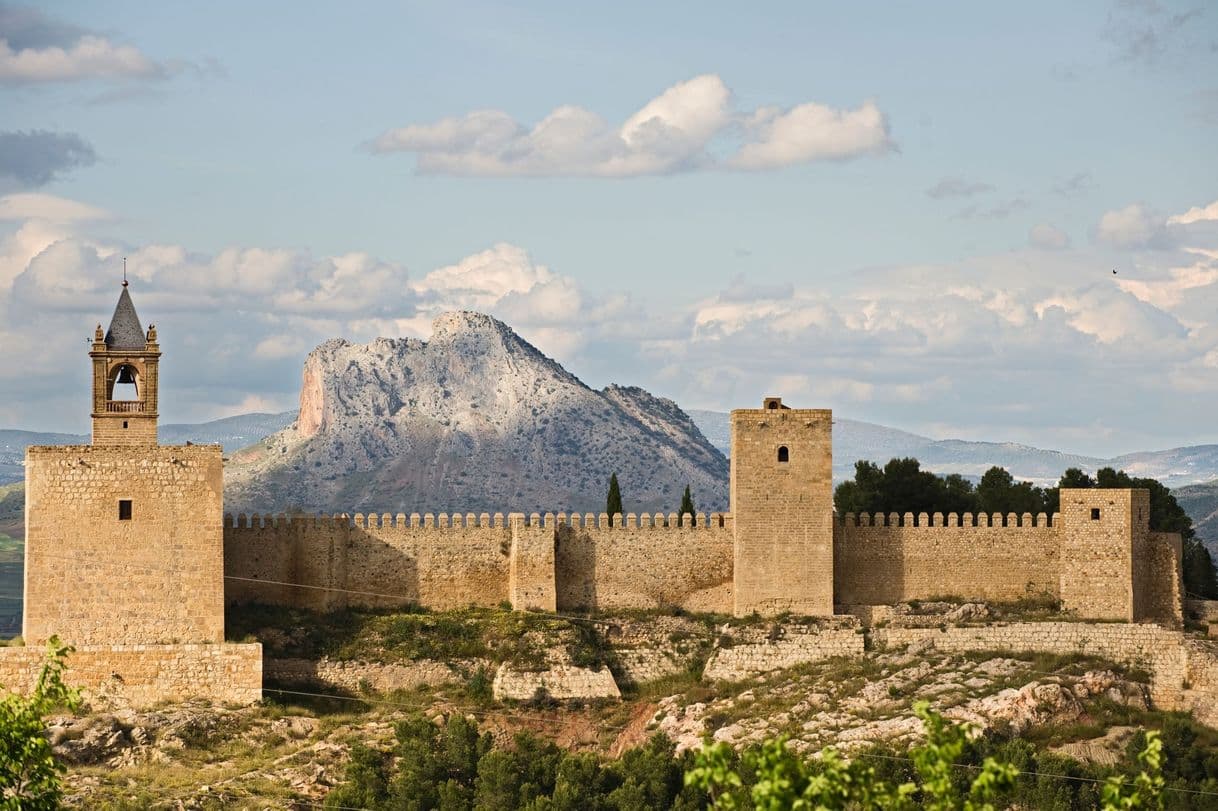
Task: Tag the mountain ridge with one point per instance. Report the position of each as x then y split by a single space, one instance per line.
475 419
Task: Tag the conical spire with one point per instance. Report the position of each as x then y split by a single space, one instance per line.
125 331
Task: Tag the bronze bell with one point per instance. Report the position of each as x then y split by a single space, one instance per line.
126 375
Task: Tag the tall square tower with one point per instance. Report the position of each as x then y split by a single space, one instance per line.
124 537
782 508
1102 530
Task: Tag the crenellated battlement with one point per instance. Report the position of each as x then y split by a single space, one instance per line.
938 519
600 521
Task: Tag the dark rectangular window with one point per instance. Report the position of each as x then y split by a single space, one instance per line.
124 509
124 423
1095 513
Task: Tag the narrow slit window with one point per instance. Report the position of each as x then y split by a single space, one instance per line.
784 455
124 423
124 509
1095 513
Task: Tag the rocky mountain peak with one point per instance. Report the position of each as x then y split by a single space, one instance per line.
475 418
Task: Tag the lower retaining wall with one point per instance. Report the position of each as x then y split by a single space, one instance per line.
356 676
560 682
143 675
781 647
1159 650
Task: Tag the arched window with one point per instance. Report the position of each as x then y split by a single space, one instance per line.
773 406
125 383
784 455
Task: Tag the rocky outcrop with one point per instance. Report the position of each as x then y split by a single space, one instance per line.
475 419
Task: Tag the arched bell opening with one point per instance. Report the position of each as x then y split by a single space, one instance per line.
124 383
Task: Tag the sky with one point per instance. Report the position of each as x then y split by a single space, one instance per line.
907 212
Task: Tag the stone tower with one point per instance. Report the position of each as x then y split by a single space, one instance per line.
782 506
124 537
125 356
1104 535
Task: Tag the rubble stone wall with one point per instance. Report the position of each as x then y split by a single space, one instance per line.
144 675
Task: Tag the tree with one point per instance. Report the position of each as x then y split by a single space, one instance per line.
781 779
613 503
29 772
905 487
998 492
771 777
687 506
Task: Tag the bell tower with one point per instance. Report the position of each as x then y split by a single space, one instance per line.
125 361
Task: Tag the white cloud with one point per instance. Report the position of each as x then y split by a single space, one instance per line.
1049 237
1195 214
1134 226
682 129
89 57
48 207
1030 345
1170 292
812 132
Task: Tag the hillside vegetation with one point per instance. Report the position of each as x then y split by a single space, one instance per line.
1067 723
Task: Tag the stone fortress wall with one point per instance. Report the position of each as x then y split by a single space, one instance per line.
581 563
781 549
551 562
890 559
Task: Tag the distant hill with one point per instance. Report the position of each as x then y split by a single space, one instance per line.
854 440
231 432
1200 501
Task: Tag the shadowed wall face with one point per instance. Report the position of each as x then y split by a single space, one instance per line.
889 562
782 505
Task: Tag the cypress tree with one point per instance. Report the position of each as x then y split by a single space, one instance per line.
687 505
613 504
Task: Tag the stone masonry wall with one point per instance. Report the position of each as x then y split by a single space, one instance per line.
559 681
1145 645
877 561
91 578
1158 574
1099 529
782 504
144 675
531 566
640 563
547 562
763 650
438 562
